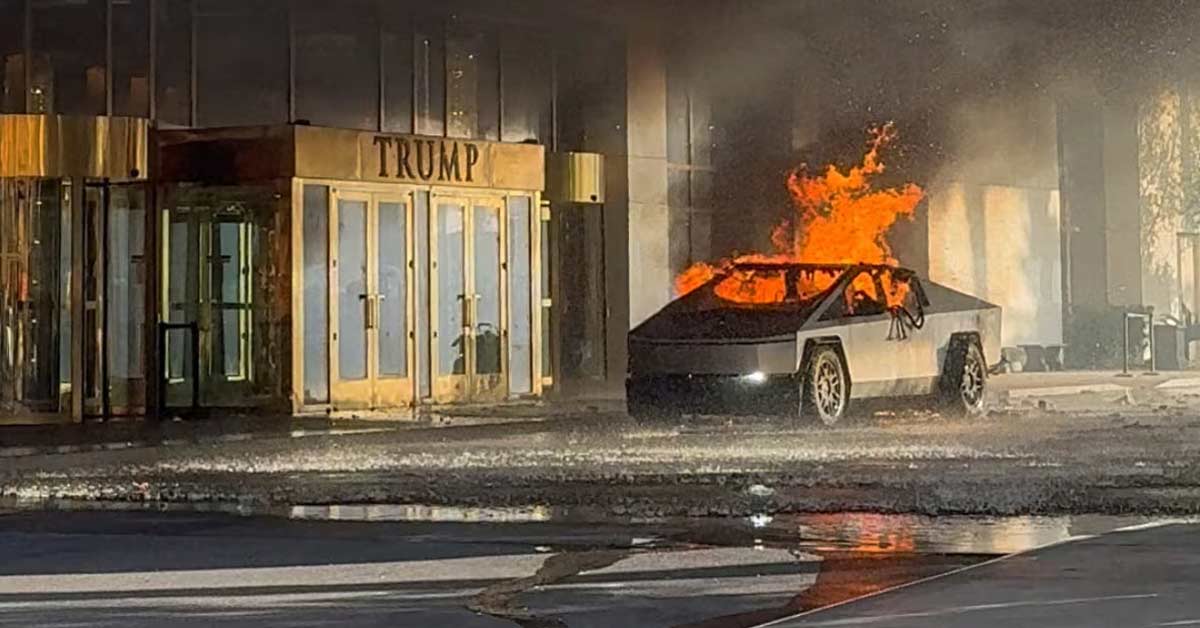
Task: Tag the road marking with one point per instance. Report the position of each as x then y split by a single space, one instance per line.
1181 622
1185 382
954 572
905 585
1150 525
502 567
958 610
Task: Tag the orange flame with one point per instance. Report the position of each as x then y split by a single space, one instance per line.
840 219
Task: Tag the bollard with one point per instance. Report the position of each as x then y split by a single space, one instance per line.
1148 317
1125 346
1153 356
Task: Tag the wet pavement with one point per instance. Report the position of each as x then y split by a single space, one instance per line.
1141 577
146 568
1016 461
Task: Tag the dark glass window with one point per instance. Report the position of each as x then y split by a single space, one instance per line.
337 63
12 44
131 58
242 62
582 300
678 118
591 96
700 217
527 89
69 75
429 64
703 136
472 84
397 69
174 62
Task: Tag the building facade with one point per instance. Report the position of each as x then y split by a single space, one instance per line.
302 206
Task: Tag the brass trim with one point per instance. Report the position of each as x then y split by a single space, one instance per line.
311 152
575 177
323 152
35 145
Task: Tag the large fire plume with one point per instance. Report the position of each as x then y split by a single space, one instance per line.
839 219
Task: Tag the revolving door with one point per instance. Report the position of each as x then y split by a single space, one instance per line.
72 298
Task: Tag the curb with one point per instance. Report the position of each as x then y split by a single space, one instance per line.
44 450
1062 391
432 420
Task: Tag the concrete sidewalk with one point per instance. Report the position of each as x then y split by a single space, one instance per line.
1097 390
66 438
1138 578
32 440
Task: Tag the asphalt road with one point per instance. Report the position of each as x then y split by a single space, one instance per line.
142 569
1133 579
133 570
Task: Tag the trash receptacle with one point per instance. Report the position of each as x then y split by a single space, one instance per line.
1170 347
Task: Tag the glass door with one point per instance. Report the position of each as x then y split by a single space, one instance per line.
125 299
223 288
35 316
470 299
114 299
209 260
448 252
370 269
488 301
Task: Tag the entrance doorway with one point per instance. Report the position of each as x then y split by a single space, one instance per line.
469 297
224 292
370 268
210 258
72 298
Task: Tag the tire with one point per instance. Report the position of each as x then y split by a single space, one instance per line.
964 381
825 387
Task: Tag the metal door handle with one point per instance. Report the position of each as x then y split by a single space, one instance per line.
368 310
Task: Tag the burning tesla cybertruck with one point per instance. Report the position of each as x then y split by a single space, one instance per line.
810 339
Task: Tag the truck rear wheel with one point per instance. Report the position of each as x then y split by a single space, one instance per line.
964 380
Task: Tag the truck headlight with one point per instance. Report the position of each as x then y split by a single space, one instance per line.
757 377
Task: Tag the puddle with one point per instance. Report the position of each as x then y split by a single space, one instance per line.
867 533
20 504
848 532
424 514
712 572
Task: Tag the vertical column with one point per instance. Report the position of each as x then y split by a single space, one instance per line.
1084 213
79 327
649 224
1122 215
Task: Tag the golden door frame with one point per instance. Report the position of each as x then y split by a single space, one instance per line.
498 198
469 385
376 389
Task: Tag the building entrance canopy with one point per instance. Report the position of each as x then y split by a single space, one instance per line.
361 270
271 152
